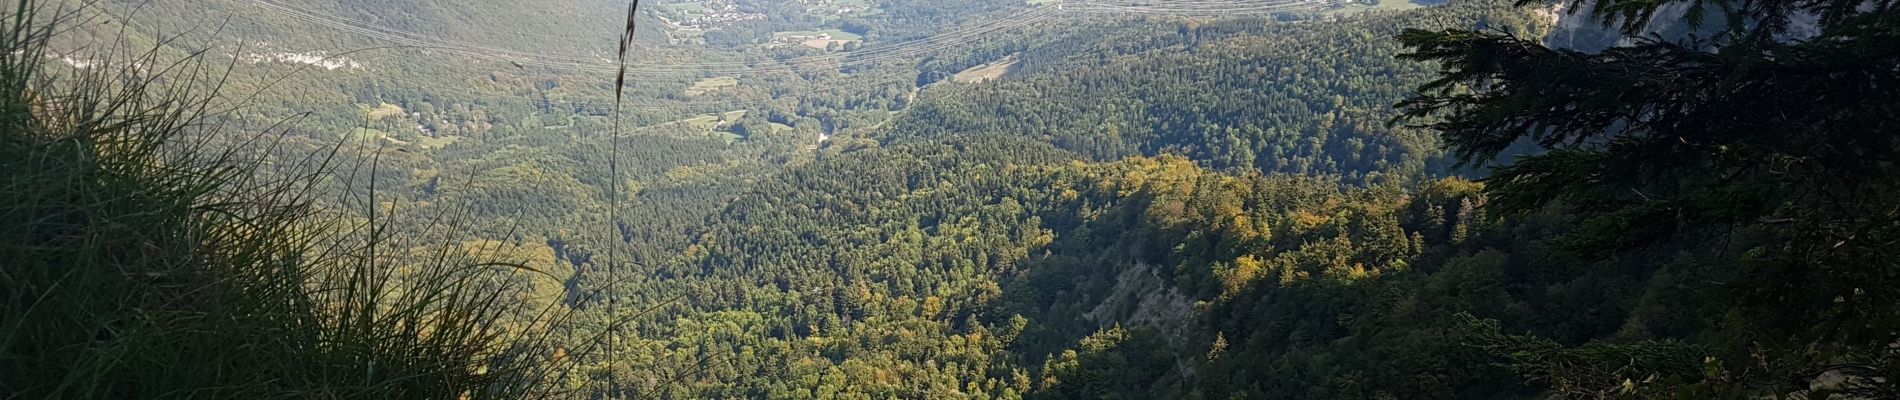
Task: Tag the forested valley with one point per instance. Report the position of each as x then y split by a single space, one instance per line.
963 199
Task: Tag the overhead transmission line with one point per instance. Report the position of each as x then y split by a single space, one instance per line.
1194 7
875 54
904 50
588 64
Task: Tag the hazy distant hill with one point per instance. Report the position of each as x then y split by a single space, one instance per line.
557 26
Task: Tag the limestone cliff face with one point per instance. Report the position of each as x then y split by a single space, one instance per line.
1141 298
1576 29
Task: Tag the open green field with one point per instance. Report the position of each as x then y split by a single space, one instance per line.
706 122
712 84
438 142
815 39
1384 5
381 112
836 34
987 72
732 116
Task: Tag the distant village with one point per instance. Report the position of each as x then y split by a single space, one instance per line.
702 15
713 14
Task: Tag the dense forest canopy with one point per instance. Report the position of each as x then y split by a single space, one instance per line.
851 199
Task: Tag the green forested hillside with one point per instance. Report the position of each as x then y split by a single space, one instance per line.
995 256
836 199
1312 97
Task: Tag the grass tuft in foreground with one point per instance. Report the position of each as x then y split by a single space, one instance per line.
142 257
